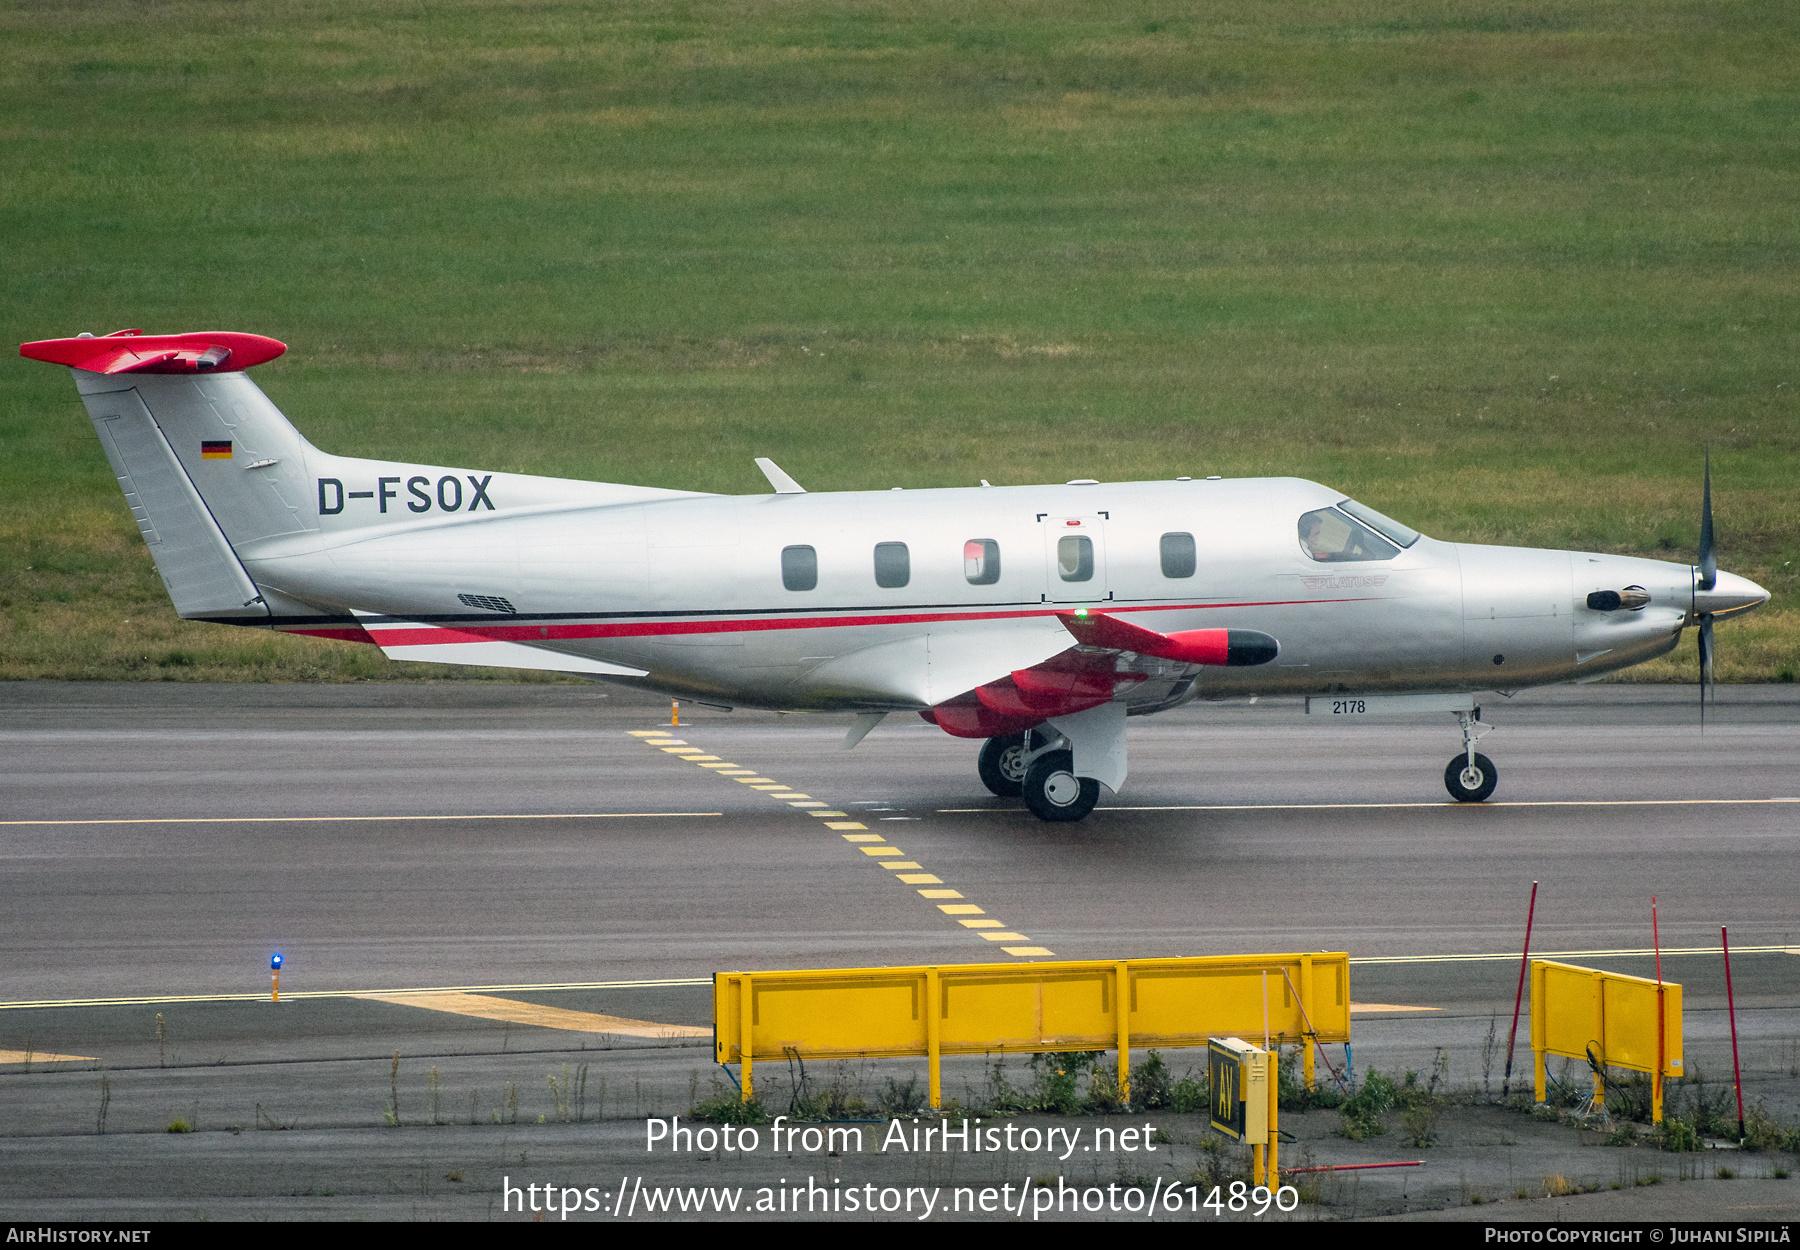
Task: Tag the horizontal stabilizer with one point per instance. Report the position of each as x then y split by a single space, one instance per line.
437 644
128 351
1234 648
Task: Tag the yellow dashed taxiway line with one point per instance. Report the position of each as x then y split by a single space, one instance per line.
513 1011
907 871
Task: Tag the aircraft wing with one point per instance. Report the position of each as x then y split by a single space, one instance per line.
438 644
1069 681
949 659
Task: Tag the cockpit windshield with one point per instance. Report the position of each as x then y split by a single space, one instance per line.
1327 535
1395 532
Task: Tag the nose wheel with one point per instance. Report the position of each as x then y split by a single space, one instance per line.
1470 776
1470 779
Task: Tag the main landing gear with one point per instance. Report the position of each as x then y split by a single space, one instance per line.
1038 766
1470 776
1002 765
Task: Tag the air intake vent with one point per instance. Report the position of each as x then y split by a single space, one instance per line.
489 603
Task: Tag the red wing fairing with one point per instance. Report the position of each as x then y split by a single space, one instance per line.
1077 680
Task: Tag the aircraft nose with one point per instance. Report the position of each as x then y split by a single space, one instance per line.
1731 595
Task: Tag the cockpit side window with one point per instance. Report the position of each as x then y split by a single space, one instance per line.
1329 536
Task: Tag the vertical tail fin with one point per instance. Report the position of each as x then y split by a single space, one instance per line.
206 462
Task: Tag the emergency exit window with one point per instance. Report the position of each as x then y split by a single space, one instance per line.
799 568
1178 555
1075 558
893 565
981 561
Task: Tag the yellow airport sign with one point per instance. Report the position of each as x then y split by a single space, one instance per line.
974 1009
1624 1022
1242 1081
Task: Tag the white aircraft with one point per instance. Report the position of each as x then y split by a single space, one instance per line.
1037 618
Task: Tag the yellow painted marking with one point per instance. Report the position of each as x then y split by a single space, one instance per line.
789 795
1359 1008
921 878
900 864
1028 950
845 824
941 893
720 764
881 850
695 759
672 744
981 924
861 837
959 909
811 803
38 1056
516 1012
318 820
685 752
738 772
1004 937
262 996
648 733
767 788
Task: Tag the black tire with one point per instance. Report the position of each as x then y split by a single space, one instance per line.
1002 765
1053 792
1454 780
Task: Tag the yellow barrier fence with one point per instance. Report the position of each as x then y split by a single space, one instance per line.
976 1009
1621 1021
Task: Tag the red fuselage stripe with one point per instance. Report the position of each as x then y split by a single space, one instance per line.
342 635
399 636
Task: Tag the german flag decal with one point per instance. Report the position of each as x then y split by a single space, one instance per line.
216 451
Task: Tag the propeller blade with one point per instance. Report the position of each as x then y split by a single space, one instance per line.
1706 665
1709 568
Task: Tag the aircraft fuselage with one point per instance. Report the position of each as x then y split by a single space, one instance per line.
692 589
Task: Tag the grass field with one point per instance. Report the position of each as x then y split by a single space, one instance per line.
1501 270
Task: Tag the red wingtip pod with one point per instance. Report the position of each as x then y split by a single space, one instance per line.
129 351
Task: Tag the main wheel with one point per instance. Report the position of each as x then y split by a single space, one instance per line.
1470 785
1002 765
1053 792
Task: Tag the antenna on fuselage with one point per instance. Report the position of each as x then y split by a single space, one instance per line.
783 484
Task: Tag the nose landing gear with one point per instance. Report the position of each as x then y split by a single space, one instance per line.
1470 776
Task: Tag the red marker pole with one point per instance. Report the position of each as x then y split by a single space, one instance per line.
1737 1081
1519 997
1662 1023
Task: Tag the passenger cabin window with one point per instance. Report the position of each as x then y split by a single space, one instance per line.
1329 536
893 566
1075 558
1178 555
799 568
981 561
